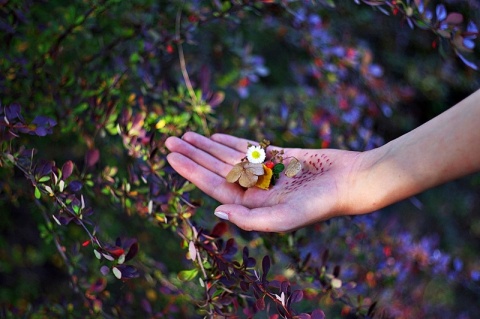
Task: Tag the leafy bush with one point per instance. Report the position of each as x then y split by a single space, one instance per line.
96 224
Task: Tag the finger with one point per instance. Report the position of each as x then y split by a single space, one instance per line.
206 180
176 145
276 218
239 144
223 152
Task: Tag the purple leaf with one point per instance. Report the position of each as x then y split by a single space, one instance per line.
454 18
230 248
216 99
75 186
468 63
325 257
43 125
87 211
132 252
104 270
44 121
472 31
284 287
65 220
128 271
44 168
92 157
245 254
265 265
420 6
146 306
441 12
318 314
205 78
245 286
336 271
67 169
12 112
251 262
296 296
469 44
41 131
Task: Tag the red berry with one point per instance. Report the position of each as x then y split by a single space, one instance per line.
269 164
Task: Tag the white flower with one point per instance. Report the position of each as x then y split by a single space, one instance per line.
256 154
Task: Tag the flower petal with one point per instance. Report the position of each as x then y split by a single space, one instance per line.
256 154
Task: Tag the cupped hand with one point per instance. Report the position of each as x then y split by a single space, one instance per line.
318 192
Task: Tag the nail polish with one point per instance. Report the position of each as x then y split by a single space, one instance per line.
221 215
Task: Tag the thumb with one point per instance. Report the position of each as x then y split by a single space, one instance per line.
267 219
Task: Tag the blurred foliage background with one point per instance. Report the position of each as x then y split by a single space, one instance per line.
102 83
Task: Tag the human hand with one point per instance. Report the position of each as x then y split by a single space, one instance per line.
319 192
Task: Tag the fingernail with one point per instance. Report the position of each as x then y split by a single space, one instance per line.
221 215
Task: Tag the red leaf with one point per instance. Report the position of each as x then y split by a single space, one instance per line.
116 251
260 303
219 229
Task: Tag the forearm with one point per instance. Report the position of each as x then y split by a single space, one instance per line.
443 149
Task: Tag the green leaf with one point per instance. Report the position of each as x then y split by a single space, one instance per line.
188 187
38 194
278 168
187 275
44 179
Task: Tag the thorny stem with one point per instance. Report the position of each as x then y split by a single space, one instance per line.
28 174
60 250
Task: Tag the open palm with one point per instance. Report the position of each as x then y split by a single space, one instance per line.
316 193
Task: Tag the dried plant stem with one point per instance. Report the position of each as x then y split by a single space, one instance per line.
183 67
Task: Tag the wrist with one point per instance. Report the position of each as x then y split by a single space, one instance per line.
370 185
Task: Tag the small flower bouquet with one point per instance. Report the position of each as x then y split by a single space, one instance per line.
255 170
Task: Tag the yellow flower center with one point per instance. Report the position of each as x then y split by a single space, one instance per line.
256 154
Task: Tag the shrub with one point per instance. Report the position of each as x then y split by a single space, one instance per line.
98 225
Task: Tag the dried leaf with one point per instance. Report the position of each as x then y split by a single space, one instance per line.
192 250
255 168
293 167
235 173
245 173
248 179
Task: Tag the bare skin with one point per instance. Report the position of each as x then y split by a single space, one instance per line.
334 182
